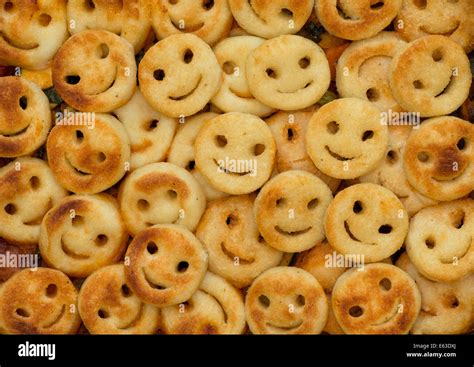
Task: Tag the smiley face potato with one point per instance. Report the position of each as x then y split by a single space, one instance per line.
86 159
41 301
289 210
288 73
166 265
374 228
179 75
229 165
108 306
25 123
346 138
286 300
381 299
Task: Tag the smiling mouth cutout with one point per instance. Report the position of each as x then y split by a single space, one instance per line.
77 170
240 95
160 287
352 236
184 96
232 256
135 320
455 259
183 27
446 34
281 328
451 179
56 319
72 253
392 316
337 156
292 233
38 219
223 169
19 132
296 90
18 46
446 88
108 86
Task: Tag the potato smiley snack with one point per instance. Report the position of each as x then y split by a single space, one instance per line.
236 167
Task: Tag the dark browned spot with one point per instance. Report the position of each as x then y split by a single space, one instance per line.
188 56
286 13
102 51
77 220
51 290
89 5
103 314
304 62
258 149
271 73
229 67
143 205
385 229
208 4
392 156
377 6
369 134
23 102
44 19
357 207
264 301
182 266
22 312
231 220
10 209
101 157
281 202
300 300
430 242
418 84
312 203
290 133
73 79
454 302
159 74
79 136
172 194
126 292
191 166
372 94
8 7
385 284
420 4
101 240
461 144
458 218
356 311
220 141
437 55
423 157
152 248
151 125
34 182
332 127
